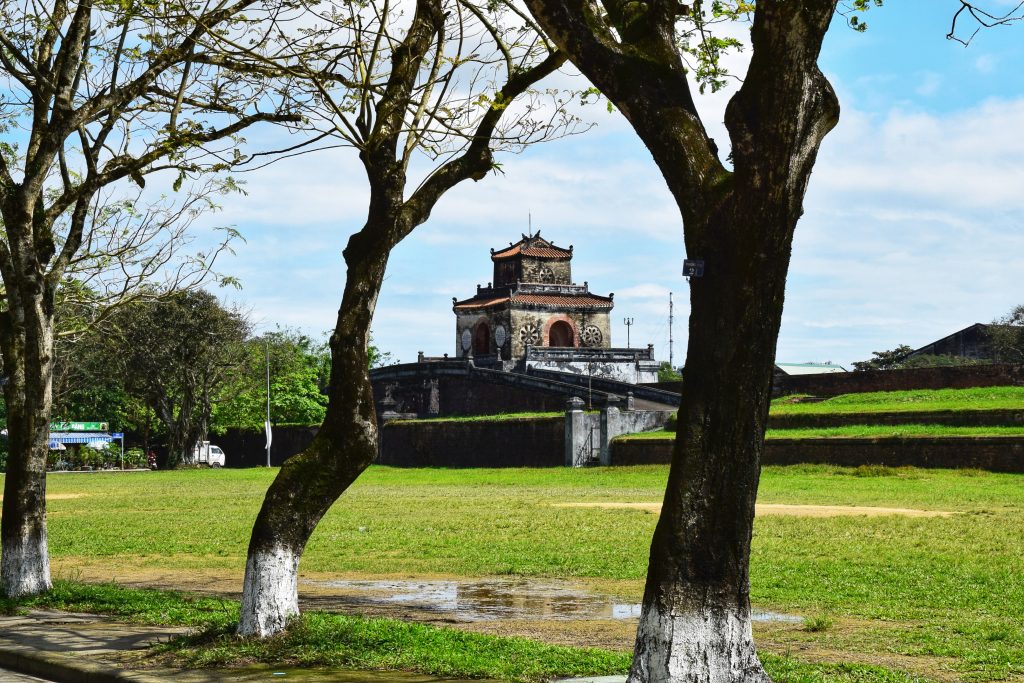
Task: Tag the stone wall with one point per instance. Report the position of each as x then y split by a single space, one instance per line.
468 321
444 396
631 372
560 270
541 319
834 384
534 442
248 447
995 454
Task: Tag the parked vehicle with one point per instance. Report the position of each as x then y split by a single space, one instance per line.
206 453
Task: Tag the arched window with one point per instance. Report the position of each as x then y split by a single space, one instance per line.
560 334
482 339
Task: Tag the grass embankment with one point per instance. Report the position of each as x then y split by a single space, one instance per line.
924 400
863 432
935 594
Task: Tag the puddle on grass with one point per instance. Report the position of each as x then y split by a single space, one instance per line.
500 600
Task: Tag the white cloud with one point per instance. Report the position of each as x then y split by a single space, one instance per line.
930 84
912 230
986 63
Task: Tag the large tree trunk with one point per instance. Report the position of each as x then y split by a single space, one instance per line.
695 624
182 433
26 338
310 482
695 620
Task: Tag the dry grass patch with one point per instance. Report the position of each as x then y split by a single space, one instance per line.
781 509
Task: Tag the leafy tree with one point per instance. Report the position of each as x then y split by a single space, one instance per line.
900 359
378 358
885 360
666 373
298 377
176 355
695 620
928 360
1006 336
94 94
447 82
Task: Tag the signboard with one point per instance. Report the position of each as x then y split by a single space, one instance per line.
117 435
79 426
693 268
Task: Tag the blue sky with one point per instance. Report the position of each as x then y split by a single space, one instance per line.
912 227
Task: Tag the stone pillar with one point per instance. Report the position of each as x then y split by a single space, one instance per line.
629 401
576 431
611 427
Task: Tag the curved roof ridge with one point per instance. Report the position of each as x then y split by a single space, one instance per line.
532 245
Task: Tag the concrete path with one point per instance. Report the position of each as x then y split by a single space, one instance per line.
8 676
83 648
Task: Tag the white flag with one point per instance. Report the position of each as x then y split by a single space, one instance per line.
270 435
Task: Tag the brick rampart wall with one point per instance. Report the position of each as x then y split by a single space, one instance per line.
248 447
996 454
535 442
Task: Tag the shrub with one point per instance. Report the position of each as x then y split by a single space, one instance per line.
134 458
818 623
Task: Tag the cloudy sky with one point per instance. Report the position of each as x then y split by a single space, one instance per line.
912 230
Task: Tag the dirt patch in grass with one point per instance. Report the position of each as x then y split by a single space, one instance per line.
782 638
783 510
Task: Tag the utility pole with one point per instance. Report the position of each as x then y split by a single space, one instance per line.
671 358
628 322
268 402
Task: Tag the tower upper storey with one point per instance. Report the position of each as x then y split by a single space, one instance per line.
532 259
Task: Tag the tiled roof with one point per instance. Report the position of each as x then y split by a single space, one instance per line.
567 300
533 246
480 302
563 300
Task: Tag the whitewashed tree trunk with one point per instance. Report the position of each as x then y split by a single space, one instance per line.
270 594
696 646
26 342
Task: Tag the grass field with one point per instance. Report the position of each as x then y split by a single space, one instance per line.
941 597
864 432
982 398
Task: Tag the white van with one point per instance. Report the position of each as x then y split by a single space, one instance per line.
205 453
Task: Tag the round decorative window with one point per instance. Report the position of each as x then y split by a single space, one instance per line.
467 340
591 336
500 336
529 334
545 274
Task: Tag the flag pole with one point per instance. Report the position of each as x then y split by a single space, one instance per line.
268 402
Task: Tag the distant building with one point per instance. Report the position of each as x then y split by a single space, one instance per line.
971 342
532 301
532 315
794 369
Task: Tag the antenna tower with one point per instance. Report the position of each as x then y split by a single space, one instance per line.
671 358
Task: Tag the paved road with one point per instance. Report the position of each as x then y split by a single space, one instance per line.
11 677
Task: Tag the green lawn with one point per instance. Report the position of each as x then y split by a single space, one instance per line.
939 589
983 398
863 432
